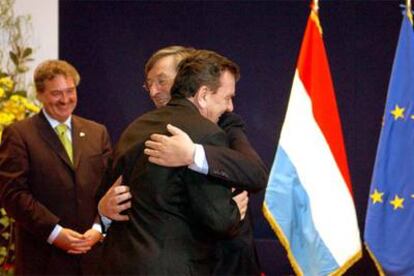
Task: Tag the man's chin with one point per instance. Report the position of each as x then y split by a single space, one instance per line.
157 105
64 113
61 117
160 103
214 120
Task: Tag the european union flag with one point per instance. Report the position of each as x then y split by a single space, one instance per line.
389 225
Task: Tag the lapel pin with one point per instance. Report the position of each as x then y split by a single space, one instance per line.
82 134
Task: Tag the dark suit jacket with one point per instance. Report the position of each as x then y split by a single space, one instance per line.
177 215
39 188
239 165
246 171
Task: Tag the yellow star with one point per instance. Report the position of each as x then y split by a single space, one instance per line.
398 112
397 202
412 117
376 196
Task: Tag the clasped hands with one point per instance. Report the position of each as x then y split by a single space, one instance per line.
76 243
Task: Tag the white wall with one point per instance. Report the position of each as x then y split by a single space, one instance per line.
45 22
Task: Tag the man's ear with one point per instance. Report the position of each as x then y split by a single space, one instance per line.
201 96
38 96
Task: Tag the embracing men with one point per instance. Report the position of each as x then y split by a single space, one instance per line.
177 215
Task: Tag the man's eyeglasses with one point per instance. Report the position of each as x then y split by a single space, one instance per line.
60 92
160 83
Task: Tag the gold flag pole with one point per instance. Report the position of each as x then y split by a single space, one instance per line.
409 11
315 14
315 6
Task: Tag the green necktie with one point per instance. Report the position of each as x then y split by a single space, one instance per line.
67 144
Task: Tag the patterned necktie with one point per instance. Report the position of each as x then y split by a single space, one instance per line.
67 144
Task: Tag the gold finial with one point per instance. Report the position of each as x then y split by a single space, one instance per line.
314 14
409 11
315 5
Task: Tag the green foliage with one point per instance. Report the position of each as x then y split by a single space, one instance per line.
15 54
4 221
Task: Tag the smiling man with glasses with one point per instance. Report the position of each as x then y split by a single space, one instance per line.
160 71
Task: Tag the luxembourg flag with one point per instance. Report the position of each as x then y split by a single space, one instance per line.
308 201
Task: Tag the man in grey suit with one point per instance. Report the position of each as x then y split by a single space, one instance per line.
177 215
50 167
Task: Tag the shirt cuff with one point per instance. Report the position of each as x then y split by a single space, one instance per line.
200 164
97 227
52 237
106 222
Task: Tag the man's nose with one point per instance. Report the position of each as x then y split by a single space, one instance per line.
230 106
153 90
64 98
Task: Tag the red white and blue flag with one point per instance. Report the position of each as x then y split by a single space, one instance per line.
309 201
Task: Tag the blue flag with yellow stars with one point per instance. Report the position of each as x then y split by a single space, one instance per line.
389 225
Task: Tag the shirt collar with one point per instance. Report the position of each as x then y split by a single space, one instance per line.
54 123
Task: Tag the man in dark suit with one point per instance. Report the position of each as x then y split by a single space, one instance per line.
239 165
236 255
177 215
50 167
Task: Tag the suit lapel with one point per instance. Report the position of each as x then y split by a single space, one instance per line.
78 137
49 135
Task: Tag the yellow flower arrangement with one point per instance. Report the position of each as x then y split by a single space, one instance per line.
15 104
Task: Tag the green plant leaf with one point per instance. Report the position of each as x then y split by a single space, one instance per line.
27 52
21 93
18 50
4 221
14 58
22 69
6 236
3 251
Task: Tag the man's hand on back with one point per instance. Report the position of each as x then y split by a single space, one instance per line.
170 151
115 201
242 201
